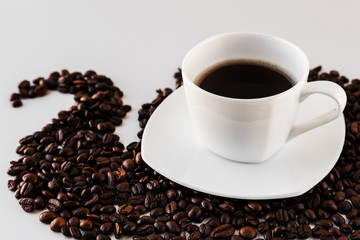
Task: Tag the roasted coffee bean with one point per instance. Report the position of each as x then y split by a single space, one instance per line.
86 225
310 214
65 230
335 231
118 230
145 230
324 223
223 231
57 223
26 189
173 227
75 232
106 227
304 231
102 237
205 229
145 220
54 205
337 218
129 228
247 232
156 212
80 212
344 207
47 217
195 213
263 227
171 208
355 223
160 227
27 204
194 235
329 205
321 214
282 215
125 209
89 235
74 221
255 206
155 237
225 218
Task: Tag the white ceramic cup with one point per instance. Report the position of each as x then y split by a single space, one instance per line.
252 130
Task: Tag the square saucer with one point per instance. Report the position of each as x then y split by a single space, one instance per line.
170 146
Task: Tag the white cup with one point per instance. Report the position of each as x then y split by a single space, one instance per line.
252 130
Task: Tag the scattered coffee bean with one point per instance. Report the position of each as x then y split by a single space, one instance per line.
47 217
27 204
57 223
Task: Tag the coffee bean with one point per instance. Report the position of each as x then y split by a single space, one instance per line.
310 214
207 205
282 215
324 223
145 220
46 217
27 204
129 228
223 231
160 227
118 230
355 223
355 235
255 206
125 209
65 230
75 232
106 227
145 230
337 218
263 227
344 207
26 189
335 231
102 237
226 207
156 212
304 231
247 232
86 225
54 205
173 227
329 205
57 223
171 208
195 213
194 235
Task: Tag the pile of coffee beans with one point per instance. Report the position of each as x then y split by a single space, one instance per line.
92 186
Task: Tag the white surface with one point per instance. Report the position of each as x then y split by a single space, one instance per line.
251 130
140 43
170 146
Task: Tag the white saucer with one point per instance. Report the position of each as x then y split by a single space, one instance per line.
170 146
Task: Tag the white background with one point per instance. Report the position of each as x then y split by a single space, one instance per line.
139 45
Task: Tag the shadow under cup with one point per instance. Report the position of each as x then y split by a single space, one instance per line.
246 130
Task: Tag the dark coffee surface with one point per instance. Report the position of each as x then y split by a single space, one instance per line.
88 185
246 80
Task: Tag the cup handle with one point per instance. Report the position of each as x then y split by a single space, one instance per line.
328 88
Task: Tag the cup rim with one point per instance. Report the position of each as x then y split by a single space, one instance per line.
303 78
